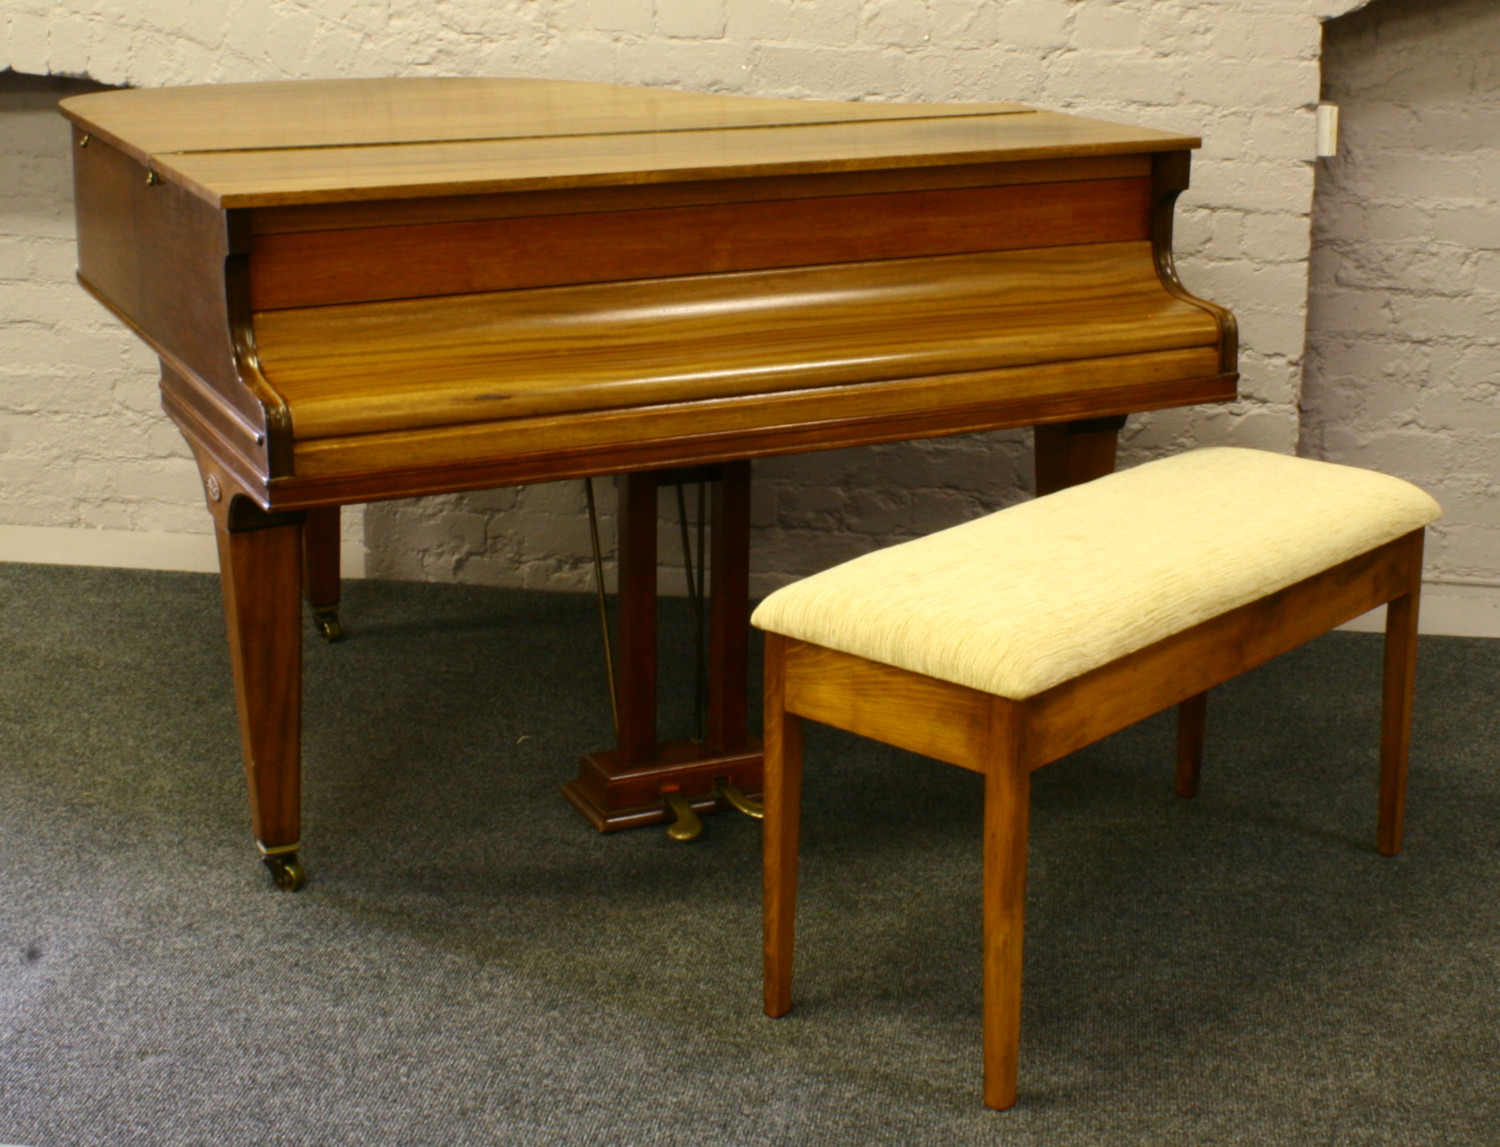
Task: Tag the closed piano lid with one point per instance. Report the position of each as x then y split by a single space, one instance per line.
324 141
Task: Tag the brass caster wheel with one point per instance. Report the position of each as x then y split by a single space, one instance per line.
326 622
286 871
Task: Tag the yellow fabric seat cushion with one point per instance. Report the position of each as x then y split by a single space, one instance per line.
1037 594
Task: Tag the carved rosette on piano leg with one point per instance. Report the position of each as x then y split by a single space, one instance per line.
368 289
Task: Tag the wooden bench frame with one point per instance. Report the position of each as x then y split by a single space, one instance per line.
1005 740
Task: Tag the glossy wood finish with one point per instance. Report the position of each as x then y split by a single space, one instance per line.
782 829
643 196
1067 453
1006 740
636 640
303 114
275 177
920 714
363 290
409 463
320 559
259 563
612 794
157 256
355 265
1081 711
1007 832
726 725
583 349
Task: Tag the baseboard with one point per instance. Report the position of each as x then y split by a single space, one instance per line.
1446 611
129 549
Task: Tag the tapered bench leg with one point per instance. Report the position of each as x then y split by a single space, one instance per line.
1395 717
1007 814
783 802
1192 724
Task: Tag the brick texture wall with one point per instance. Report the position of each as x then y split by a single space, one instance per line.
1403 360
83 441
1244 74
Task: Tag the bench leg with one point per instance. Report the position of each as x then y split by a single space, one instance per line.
1007 813
1192 724
1395 718
783 803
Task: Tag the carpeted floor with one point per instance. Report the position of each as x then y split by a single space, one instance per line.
471 964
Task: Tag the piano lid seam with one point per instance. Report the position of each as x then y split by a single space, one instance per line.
591 134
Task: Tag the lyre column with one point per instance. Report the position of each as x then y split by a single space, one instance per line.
637 622
729 613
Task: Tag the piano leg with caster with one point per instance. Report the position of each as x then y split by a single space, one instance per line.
1068 453
320 565
260 570
630 785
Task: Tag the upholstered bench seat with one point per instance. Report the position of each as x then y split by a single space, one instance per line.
1006 643
1018 601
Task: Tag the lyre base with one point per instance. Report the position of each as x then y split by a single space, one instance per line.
613 795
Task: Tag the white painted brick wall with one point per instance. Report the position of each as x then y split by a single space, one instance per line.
1403 365
83 443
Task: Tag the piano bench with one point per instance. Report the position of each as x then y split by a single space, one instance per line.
1004 644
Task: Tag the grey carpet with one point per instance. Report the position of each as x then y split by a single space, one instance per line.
471 964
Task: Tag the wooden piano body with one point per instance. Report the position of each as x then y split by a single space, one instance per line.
371 289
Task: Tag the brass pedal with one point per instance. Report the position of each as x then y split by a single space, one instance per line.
686 823
737 800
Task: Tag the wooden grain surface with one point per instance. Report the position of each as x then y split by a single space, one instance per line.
260 574
460 359
1007 837
274 178
264 145
300 269
329 113
935 718
1081 711
782 828
443 459
642 196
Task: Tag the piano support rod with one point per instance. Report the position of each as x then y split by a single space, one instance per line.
700 689
609 653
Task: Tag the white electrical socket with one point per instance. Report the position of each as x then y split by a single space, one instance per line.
1328 130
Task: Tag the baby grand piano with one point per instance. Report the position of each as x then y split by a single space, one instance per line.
366 289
